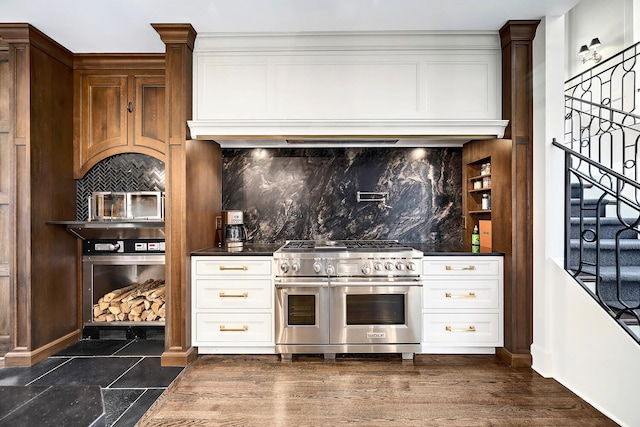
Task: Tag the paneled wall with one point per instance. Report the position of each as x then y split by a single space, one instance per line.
5 187
312 193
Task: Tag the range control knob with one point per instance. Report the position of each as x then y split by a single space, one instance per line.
366 269
388 265
317 267
295 267
399 266
330 270
378 266
284 267
411 266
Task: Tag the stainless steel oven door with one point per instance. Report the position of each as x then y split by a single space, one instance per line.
302 311
375 311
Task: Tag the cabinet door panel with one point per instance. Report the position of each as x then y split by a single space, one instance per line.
462 329
104 114
461 294
150 123
233 329
226 293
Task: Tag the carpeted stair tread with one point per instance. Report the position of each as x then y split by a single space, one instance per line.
608 286
608 227
629 252
610 244
629 273
589 207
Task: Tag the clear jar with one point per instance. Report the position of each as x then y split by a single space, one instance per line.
486 202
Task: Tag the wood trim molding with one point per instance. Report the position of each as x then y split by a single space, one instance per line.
117 61
179 357
23 357
19 33
515 360
177 34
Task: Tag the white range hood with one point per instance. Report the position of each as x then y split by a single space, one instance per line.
347 89
346 133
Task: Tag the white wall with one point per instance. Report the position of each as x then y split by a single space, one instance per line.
548 176
592 355
611 21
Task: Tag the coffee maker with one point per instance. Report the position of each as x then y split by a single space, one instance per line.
235 233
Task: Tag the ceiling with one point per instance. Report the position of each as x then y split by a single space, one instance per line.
100 26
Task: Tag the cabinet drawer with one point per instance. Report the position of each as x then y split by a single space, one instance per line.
461 266
231 266
233 293
466 294
462 329
234 328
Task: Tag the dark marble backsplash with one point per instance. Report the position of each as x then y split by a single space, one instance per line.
311 193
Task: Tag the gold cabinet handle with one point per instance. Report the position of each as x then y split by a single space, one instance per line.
243 268
469 295
469 329
450 267
242 295
225 329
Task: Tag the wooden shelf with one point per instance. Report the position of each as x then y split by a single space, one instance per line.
481 190
479 177
486 211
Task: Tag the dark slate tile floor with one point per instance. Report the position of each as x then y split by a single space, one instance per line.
95 382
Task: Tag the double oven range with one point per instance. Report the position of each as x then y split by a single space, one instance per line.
347 296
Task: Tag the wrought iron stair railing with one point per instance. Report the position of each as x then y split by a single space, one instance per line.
602 198
603 266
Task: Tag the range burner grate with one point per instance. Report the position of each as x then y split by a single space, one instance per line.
343 244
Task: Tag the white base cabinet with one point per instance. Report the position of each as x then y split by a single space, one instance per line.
462 304
232 304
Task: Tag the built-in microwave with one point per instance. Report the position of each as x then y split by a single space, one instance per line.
126 206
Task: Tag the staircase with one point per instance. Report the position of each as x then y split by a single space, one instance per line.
598 246
602 205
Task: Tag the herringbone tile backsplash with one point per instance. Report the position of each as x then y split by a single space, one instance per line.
122 172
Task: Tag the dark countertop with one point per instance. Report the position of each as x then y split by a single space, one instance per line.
434 249
267 249
249 249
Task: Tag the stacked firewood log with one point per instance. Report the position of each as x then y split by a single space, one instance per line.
137 302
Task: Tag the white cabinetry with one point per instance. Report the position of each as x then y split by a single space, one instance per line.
232 304
462 304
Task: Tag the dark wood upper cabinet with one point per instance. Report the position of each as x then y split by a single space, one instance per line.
118 108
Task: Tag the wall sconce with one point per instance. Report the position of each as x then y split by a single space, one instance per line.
584 51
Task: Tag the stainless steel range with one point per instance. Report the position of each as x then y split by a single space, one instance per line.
347 296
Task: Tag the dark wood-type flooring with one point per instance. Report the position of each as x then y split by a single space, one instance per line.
432 390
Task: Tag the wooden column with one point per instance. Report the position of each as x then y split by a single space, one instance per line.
517 107
193 191
42 269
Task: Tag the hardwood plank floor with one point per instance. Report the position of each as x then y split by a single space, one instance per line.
432 390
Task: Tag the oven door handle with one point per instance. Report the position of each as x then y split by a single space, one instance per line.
350 282
287 284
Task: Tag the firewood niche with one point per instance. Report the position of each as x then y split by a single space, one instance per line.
136 303
123 272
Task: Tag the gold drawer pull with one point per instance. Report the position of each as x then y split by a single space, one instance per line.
242 295
469 295
450 267
469 329
243 268
225 329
